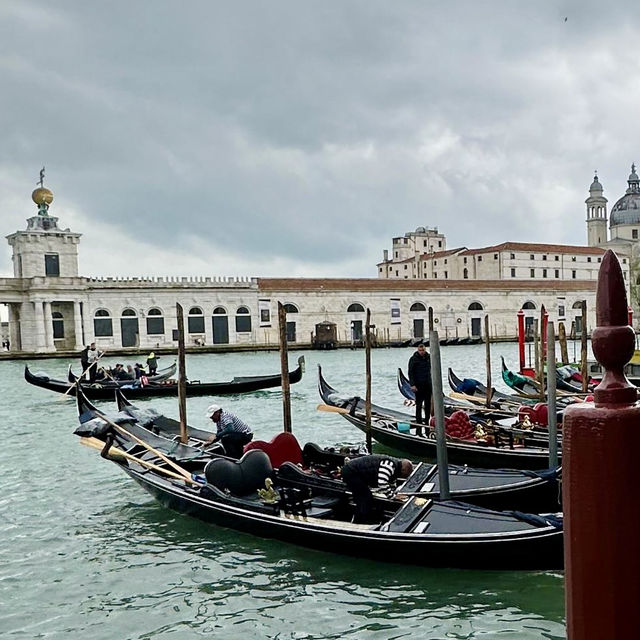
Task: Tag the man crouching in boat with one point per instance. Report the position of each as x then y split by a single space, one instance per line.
360 474
232 432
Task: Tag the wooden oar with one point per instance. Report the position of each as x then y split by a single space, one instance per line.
81 376
146 445
331 409
114 452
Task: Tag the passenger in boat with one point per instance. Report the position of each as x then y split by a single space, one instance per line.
361 474
420 380
138 371
131 374
152 363
232 432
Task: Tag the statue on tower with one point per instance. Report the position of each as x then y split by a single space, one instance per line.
42 196
41 181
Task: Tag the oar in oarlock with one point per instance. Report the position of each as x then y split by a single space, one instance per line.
331 409
114 452
89 429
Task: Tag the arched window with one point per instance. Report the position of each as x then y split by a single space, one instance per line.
128 313
290 308
577 305
475 306
155 322
529 305
465 274
219 311
355 307
102 325
417 306
195 320
58 325
243 320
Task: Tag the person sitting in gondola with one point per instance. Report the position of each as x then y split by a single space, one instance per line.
361 474
231 431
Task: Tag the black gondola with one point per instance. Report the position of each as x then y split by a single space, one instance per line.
417 531
242 384
384 429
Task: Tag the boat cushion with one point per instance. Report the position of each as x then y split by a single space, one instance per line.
283 448
239 477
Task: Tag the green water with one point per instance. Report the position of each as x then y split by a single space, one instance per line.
85 553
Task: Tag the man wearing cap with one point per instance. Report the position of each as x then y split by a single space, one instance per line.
152 363
232 432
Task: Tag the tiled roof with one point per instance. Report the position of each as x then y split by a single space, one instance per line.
387 284
536 248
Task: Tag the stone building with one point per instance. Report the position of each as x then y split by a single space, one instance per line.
52 308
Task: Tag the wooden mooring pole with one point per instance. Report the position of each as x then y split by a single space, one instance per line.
182 375
488 360
562 338
284 368
584 370
367 404
601 441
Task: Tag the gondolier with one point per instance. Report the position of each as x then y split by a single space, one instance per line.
231 431
420 380
378 471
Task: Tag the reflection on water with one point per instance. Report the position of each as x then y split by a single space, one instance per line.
85 552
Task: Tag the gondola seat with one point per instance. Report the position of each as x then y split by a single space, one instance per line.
283 448
240 477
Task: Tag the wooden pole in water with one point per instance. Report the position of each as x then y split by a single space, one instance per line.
182 375
368 380
284 368
520 316
488 359
552 407
562 338
599 483
543 341
536 348
430 321
584 372
438 405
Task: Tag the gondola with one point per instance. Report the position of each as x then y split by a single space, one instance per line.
507 453
475 389
522 385
243 384
160 376
501 489
251 496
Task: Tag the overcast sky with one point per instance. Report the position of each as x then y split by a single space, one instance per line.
297 138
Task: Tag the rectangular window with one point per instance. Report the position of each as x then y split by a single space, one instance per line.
557 273
588 258
634 234
445 261
513 256
440 243
425 265
495 256
435 275
561 311
446 275
513 273
51 264
102 328
435 263
573 258
573 274
544 273
195 324
155 326
405 267
599 259
424 243
531 256
544 257
557 258
243 324
479 258
58 328
465 260
624 261
533 273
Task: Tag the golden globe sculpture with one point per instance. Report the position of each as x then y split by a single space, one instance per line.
41 196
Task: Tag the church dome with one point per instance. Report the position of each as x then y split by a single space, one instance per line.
627 209
595 185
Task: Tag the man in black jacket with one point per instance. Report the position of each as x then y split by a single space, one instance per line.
360 474
420 380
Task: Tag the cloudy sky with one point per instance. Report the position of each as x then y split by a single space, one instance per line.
296 138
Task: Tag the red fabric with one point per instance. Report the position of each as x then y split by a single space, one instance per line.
283 448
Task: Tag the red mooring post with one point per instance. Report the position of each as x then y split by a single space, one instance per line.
520 315
630 312
601 441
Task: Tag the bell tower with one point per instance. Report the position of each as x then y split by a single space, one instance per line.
596 214
43 249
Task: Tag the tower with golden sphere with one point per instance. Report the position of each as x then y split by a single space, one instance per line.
43 249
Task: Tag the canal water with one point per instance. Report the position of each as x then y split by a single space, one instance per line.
85 553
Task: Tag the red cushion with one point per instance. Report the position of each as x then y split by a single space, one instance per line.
283 448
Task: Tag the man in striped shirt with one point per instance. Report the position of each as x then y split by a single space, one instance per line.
232 432
360 474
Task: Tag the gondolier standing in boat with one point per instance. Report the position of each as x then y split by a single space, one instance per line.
232 432
93 355
152 363
420 380
360 474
